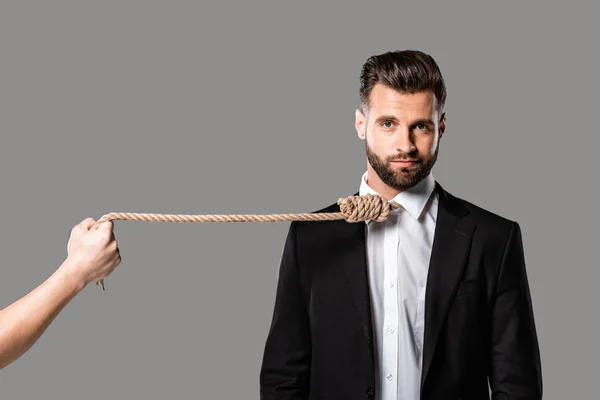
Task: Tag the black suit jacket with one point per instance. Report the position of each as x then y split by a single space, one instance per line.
479 323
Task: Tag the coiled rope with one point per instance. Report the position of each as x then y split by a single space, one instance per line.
352 209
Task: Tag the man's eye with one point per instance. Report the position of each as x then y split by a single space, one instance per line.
422 127
388 124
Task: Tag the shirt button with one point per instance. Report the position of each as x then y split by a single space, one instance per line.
390 377
391 284
391 329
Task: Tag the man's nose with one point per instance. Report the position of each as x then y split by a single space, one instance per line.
404 142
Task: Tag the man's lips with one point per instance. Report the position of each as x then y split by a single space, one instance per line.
405 162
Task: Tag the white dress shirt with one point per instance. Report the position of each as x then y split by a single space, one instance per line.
398 253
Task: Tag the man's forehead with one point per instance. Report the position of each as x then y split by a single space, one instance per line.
385 97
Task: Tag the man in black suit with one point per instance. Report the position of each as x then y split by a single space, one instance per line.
432 303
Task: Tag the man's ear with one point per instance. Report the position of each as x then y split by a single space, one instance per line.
360 123
442 125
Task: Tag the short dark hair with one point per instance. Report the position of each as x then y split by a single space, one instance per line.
407 71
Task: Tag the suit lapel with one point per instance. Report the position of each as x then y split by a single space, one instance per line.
354 265
451 245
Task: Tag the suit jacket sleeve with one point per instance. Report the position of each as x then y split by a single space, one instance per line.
286 361
515 371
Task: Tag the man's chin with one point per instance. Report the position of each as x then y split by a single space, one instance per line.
402 184
404 180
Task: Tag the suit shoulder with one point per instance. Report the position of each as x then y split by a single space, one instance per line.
499 225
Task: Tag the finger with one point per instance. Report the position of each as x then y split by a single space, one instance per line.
106 226
113 245
87 223
82 226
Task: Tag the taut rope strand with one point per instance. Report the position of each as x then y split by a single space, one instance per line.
352 209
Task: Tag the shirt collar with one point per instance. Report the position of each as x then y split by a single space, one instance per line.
413 199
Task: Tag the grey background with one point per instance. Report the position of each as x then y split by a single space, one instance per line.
248 107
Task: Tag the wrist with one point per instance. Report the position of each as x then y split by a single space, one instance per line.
69 272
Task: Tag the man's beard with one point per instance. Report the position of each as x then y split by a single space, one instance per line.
402 178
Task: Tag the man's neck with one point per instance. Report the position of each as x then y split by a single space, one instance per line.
379 186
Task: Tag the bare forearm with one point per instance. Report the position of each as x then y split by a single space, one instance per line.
23 322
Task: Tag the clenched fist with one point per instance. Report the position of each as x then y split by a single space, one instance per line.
92 253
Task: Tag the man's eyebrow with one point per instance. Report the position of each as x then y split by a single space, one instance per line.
425 121
386 118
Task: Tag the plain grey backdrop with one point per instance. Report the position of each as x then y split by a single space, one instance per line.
248 107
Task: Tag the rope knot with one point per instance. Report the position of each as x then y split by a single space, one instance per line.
365 207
